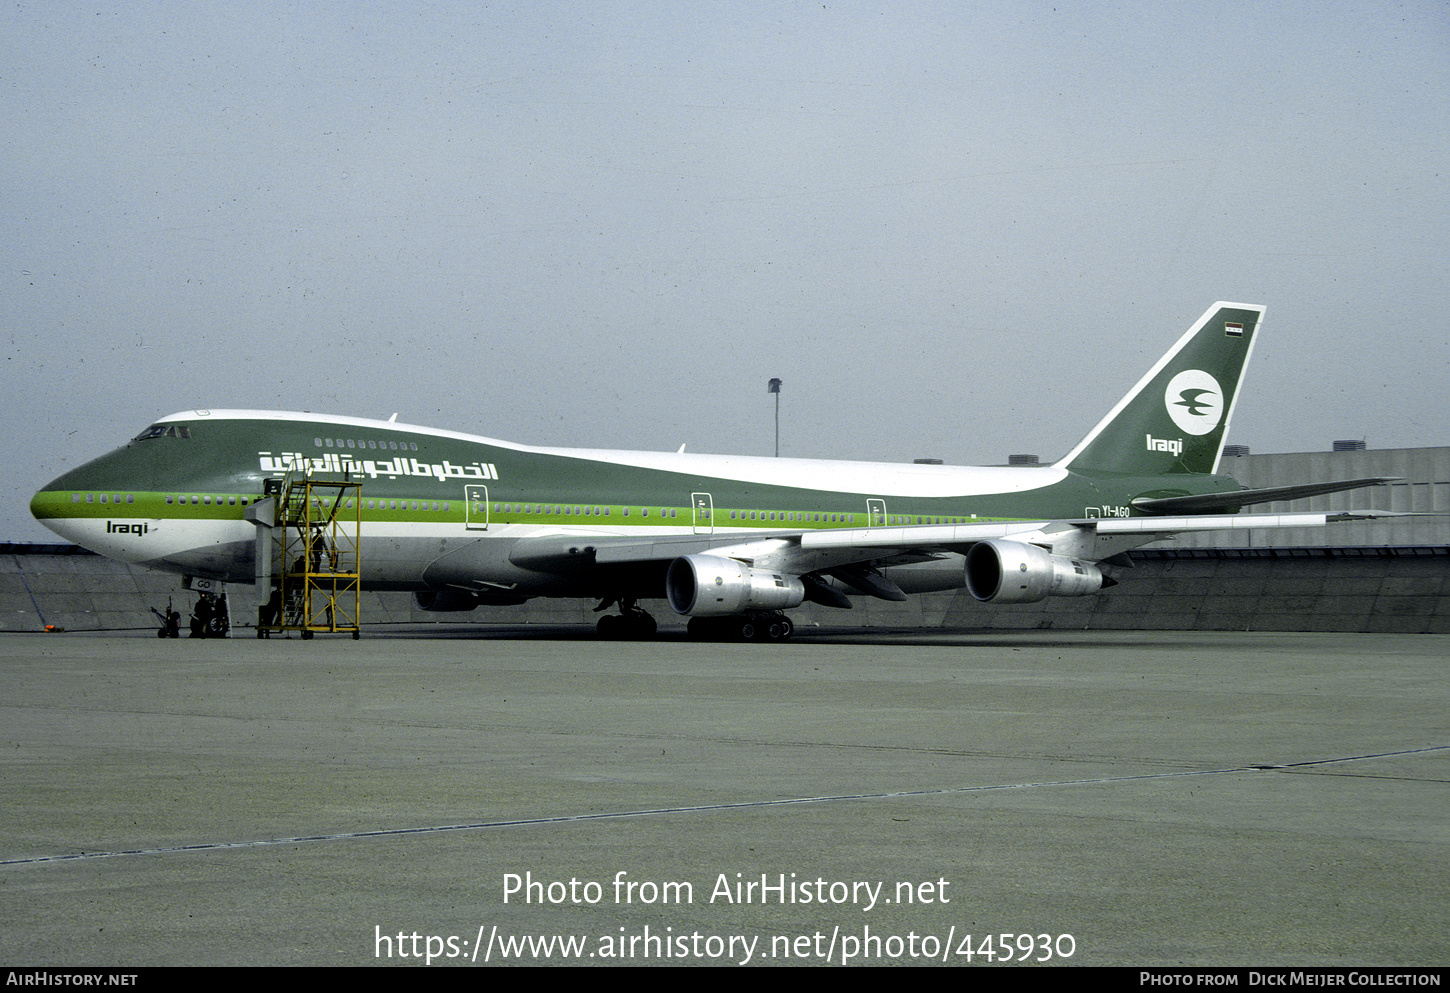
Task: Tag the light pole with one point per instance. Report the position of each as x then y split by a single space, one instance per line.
774 387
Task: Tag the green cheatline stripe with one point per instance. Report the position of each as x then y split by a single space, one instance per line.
153 506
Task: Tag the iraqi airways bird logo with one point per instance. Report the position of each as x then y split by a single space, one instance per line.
1196 407
1194 400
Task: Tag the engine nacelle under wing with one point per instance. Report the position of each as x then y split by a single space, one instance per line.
1001 571
714 586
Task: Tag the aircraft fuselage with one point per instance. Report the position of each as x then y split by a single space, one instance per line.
174 498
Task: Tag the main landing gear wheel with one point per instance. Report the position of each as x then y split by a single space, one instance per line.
744 627
779 629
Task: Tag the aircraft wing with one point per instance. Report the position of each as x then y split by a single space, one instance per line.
725 573
802 552
1092 539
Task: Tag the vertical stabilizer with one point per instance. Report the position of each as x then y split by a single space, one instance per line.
1176 418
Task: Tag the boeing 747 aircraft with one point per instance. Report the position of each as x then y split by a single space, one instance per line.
729 541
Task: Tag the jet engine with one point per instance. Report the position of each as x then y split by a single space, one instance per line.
1000 571
714 586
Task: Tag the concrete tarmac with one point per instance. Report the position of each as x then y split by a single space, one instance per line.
1112 798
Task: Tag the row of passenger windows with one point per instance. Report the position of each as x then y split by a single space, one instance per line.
557 510
407 505
206 499
565 510
171 498
793 515
371 504
391 446
176 431
796 516
104 498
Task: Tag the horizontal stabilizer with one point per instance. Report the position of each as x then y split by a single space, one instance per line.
1164 526
1229 502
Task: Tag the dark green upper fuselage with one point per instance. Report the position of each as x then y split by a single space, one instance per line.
224 458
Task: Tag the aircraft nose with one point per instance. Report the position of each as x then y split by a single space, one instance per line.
48 507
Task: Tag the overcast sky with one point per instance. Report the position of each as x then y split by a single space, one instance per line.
957 230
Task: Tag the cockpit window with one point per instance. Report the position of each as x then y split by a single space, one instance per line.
163 431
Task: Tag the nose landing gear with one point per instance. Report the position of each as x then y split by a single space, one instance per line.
630 624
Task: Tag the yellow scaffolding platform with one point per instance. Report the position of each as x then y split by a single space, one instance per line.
319 538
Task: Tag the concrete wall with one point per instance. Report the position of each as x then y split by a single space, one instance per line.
69 587
1369 589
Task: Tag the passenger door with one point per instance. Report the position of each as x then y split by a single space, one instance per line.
703 508
475 513
875 512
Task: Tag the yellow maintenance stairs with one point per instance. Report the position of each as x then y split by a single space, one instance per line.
318 539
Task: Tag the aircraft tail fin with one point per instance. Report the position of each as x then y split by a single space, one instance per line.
1176 418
